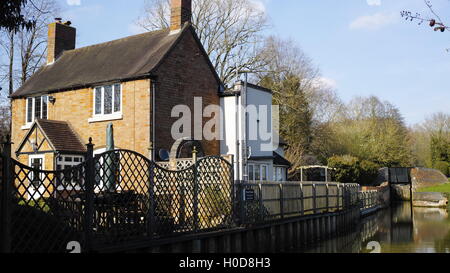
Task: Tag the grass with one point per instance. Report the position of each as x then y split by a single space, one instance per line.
40 204
444 188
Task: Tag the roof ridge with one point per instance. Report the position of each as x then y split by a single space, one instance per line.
119 39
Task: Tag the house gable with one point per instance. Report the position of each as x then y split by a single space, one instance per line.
35 142
47 136
185 73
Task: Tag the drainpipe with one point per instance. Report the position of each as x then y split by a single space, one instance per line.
238 123
152 131
244 141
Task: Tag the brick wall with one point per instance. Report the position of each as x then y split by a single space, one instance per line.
183 75
131 132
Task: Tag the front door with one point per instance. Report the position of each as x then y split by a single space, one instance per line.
36 189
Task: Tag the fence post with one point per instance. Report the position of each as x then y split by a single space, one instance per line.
240 187
261 204
89 196
151 196
302 199
196 188
7 181
281 201
327 194
314 198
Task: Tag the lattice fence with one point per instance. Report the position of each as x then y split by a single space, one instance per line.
114 199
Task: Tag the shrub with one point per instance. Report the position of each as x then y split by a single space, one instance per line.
443 167
346 167
349 169
369 172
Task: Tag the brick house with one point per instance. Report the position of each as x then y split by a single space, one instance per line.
132 82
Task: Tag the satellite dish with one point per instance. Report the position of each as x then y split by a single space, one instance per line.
164 155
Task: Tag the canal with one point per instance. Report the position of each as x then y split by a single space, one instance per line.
398 229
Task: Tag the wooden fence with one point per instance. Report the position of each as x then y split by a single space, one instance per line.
261 202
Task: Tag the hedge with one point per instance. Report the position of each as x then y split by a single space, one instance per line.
349 169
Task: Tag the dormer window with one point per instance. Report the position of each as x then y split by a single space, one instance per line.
37 108
107 103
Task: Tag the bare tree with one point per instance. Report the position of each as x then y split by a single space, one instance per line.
230 31
4 121
25 49
434 21
33 43
306 103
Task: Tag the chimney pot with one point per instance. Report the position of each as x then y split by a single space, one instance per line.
181 13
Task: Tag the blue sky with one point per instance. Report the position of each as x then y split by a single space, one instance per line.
362 47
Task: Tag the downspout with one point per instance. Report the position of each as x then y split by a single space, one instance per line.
238 123
244 141
152 118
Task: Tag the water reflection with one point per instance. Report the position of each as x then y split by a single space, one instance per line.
399 229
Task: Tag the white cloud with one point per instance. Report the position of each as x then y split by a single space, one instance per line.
74 2
373 22
325 82
259 5
374 2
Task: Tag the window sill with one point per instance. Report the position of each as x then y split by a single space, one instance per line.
26 126
106 118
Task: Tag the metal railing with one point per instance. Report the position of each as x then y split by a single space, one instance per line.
261 202
369 199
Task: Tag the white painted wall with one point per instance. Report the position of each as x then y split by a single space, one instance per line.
256 98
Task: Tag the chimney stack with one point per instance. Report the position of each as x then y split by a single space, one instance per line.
181 12
61 37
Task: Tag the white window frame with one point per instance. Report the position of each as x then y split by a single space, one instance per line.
33 192
264 174
106 117
260 167
33 110
101 186
61 160
282 177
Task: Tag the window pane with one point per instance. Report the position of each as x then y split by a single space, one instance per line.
37 107
107 100
44 107
30 110
250 173
257 173
264 173
117 98
98 101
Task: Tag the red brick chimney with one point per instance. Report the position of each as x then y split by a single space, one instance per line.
61 37
181 12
